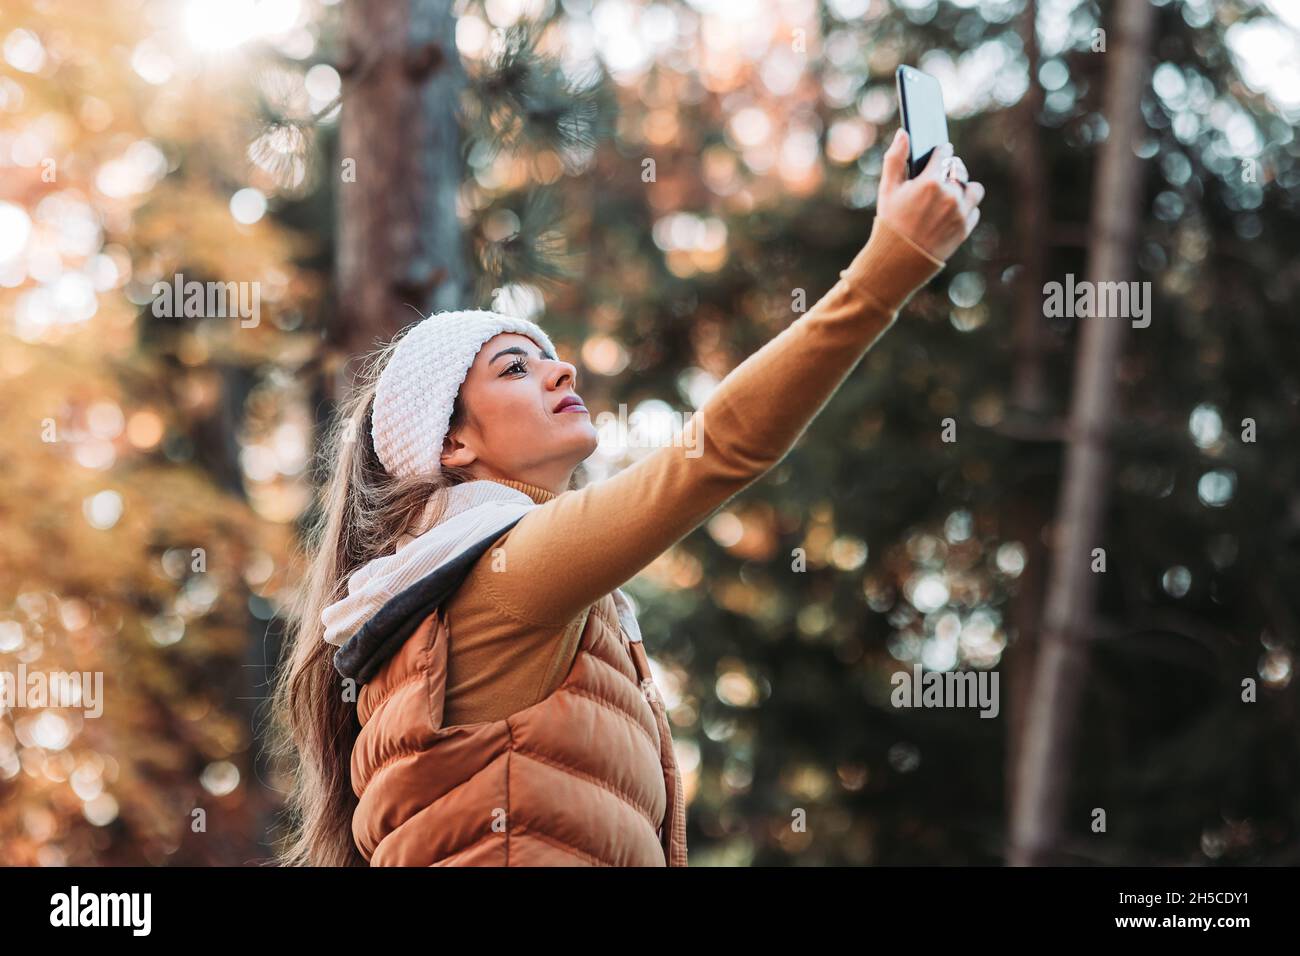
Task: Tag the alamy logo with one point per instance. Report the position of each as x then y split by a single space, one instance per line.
645 430
102 909
208 300
1102 300
84 689
946 689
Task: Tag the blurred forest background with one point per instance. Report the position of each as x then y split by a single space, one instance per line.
653 181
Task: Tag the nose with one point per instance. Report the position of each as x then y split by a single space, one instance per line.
561 371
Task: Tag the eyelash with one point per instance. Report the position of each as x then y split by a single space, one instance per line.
516 364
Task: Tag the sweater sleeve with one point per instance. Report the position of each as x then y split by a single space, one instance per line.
567 553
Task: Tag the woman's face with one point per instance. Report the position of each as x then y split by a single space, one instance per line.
515 426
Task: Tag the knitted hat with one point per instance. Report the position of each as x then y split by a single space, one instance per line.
417 388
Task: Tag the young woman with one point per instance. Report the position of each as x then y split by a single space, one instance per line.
467 684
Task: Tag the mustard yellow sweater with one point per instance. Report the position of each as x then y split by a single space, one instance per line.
515 621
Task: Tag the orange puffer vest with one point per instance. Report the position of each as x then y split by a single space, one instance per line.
587 776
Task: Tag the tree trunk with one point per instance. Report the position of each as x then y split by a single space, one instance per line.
1026 509
217 448
399 235
1038 823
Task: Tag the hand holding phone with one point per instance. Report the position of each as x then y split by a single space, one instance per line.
920 109
923 189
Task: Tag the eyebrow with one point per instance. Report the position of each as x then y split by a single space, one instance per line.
518 350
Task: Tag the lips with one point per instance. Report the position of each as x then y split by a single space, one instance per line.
570 403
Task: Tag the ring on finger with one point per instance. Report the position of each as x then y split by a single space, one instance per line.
950 172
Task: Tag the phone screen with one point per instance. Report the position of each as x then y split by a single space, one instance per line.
920 102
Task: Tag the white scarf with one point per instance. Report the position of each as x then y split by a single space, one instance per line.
470 512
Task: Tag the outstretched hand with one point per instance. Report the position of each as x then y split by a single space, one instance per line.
933 210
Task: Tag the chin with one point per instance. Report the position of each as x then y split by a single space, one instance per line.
586 443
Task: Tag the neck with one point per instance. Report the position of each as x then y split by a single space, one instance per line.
549 481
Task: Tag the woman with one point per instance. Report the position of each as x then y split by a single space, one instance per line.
467 684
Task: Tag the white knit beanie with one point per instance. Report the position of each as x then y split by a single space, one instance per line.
417 388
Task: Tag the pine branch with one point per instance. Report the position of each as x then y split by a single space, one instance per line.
535 254
523 100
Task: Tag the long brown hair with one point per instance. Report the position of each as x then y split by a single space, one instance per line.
362 512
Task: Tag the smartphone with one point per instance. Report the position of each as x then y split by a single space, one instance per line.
920 104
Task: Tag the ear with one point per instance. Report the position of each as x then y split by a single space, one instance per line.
456 453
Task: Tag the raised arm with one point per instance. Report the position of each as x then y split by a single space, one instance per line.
567 553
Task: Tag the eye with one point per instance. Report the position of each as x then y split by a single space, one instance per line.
518 365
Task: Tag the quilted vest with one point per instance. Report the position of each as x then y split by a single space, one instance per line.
586 776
